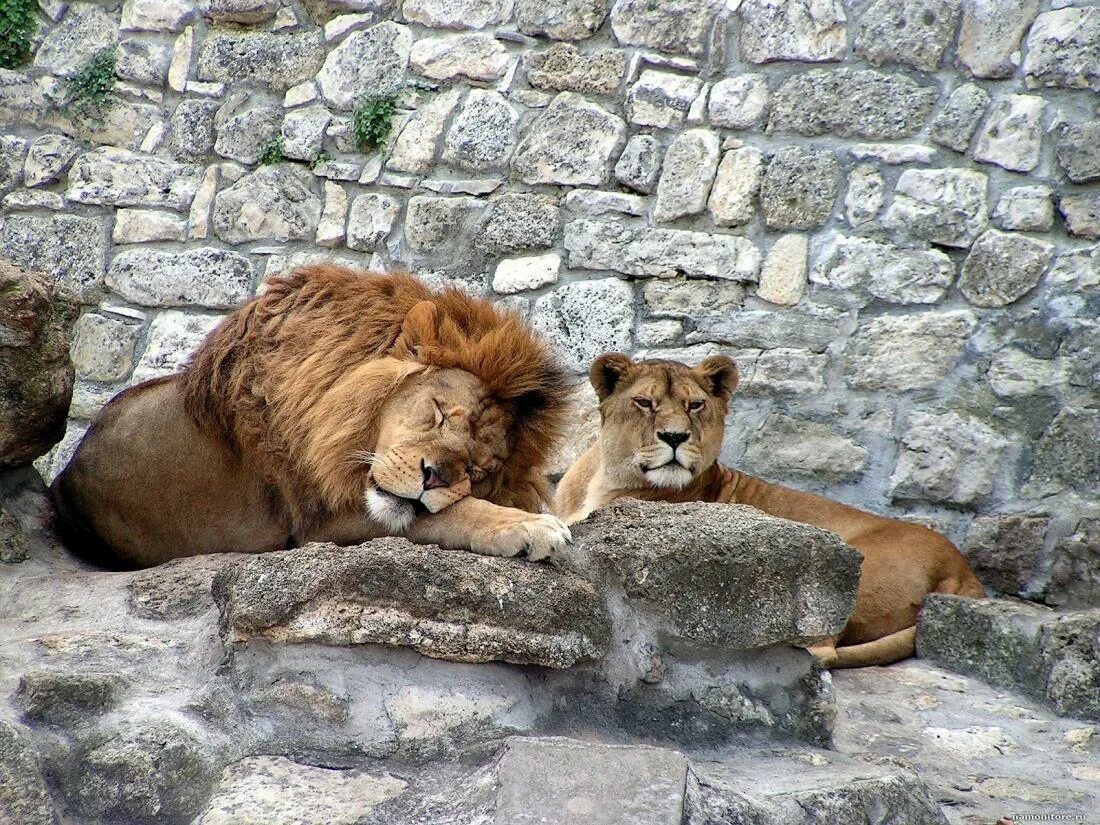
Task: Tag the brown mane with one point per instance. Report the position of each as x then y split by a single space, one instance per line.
295 379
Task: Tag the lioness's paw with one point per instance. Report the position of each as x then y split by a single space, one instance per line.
536 536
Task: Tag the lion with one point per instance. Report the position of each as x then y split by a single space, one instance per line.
661 431
337 406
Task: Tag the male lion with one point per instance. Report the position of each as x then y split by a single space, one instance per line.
659 440
337 406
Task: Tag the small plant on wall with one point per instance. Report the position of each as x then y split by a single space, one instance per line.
271 150
90 88
18 23
372 122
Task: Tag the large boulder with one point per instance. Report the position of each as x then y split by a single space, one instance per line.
36 375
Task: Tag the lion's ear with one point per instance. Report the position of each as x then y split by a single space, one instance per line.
420 327
607 371
718 375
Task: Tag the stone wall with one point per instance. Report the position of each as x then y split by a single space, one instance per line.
886 210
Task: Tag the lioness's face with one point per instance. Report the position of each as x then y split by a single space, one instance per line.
441 434
662 420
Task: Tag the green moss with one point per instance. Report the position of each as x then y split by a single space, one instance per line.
320 158
18 23
90 88
372 122
271 150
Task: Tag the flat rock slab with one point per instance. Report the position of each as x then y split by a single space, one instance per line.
1053 657
722 574
446 604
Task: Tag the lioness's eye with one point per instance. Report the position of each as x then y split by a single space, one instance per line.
695 406
644 403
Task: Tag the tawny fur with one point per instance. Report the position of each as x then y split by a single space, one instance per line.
902 562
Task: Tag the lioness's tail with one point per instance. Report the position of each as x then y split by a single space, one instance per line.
884 651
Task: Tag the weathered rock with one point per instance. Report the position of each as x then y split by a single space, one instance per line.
948 458
455 14
676 298
571 144
595 203
371 220
36 375
1015 374
1004 551
178 589
71 249
277 60
989 39
64 699
478 57
1003 267
1081 213
24 798
1077 148
482 134
586 318
1050 656
366 64
103 347
414 147
1075 575
518 274
678 26
85 30
204 276
799 188
865 196
639 164
1025 209
303 132
273 203
562 68
567 20
850 103
1063 49
443 603
1013 134
687 174
905 352
144 225
812 32
812 329
117 177
955 123
738 102
1064 456
661 99
519 221
192 128
173 336
913 32
793 447
143 62
47 159
12 151
707 550
736 185
659 253
432 222
241 134
943 206
783 275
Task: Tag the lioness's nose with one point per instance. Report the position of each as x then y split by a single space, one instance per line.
433 478
673 440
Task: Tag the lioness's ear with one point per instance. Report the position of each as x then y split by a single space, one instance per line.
718 375
420 327
607 371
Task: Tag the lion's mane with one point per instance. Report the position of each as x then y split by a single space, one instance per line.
296 377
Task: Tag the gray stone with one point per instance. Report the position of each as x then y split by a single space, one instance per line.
687 174
204 276
66 699
1012 135
799 188
905 352
596 203
276 60
900 276
36 375
1025 209
192 128
851 103
143 61
173 336
1063 49
370 221
69 248
639 164
12 151
117 177
989 39
303 132
1015 374
565 20
1075 574
240 11
893 153
24 798
566 781
783 275
736 185
800 30
531 272
865 196
478 57
241 134
519 221
571 143
415 146
1065 455
1003 267
793 447
1081 213
331 226
431 223
912 32
85 30
562 68
942 206
955 123
157 16
1077 148
276 203
661 99
125 124
455 14
948 457
692 299
1004 551
707 550
810 329
443 603
367 64
659 253
677 26
482 134
585 319
782 371
103 347
47 159
738 102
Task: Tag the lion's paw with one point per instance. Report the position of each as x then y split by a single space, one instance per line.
536 536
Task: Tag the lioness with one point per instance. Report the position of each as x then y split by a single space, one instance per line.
662 425
336 406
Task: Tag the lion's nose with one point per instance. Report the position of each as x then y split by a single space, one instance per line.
673 440
433 478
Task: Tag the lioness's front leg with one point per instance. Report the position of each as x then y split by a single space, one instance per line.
479 525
